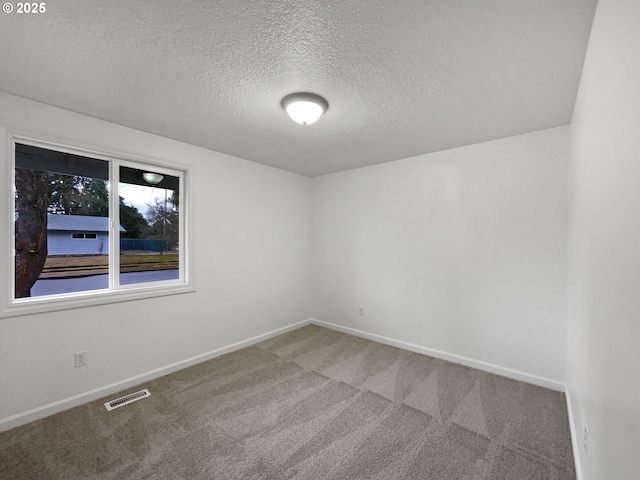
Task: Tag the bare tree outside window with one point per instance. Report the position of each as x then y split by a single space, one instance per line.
32 202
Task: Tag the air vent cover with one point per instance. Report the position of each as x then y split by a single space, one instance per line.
132 397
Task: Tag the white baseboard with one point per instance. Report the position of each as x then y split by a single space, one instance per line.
469 362
22 418
575 438
70 402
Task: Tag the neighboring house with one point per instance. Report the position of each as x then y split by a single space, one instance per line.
78 235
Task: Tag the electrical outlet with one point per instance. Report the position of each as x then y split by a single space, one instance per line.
81 359
361 310
586 440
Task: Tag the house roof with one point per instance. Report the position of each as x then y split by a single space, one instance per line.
78 223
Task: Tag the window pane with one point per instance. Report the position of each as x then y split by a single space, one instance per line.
149 226
61 222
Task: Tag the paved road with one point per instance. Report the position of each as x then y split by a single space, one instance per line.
95 282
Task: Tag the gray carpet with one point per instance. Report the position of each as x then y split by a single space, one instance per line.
309 404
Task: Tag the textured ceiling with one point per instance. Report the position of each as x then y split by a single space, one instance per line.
401 77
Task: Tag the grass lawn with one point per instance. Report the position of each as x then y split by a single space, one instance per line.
101 262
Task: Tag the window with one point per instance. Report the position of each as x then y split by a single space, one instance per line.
150 243
84 235
92 224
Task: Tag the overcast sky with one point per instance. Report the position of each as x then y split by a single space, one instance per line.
139 196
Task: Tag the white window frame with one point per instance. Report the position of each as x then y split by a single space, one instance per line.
10 306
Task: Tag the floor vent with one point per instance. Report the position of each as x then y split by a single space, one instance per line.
132 397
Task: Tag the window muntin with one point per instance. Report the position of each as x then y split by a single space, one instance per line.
96 270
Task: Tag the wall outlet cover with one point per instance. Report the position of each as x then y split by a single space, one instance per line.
81 358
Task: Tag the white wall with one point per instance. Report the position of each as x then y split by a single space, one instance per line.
462 251
251 238
604 245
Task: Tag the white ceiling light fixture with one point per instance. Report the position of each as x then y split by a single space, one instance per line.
304 108
152 178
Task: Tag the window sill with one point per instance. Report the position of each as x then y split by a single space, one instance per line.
37 305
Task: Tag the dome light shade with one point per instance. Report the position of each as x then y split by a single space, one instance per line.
304 108
152 178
